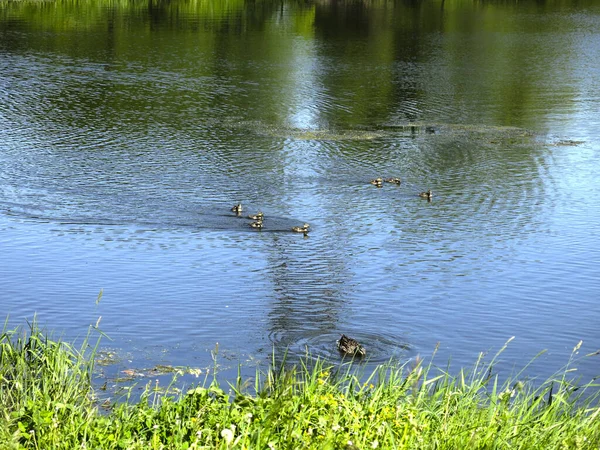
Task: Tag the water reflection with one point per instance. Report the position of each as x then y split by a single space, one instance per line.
125 145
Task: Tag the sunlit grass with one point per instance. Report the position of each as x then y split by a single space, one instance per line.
48 402
45 388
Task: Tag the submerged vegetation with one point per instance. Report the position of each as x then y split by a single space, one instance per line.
48 402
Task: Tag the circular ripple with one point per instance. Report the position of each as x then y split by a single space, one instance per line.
380 348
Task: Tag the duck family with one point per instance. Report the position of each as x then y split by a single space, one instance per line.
258 219
346 345
378 182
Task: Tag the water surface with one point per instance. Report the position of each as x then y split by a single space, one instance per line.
128 131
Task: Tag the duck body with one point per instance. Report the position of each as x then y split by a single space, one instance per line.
427 194
377 182
257 224
349 346
393 180
258 216
237 208
303 229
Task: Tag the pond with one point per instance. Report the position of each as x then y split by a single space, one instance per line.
130 129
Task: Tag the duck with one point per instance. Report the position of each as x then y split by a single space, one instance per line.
377 182
303 229
393 180
237 208
428 194
258 216
257 224
349 346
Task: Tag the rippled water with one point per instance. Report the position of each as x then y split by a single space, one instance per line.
123 149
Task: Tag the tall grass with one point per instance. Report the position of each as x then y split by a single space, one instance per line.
45 387
47 402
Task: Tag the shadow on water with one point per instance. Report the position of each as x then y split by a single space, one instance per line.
202 218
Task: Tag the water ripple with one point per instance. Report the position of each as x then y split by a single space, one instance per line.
380 347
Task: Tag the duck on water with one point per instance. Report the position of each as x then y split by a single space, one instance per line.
351 347
303 229
258 216
427 194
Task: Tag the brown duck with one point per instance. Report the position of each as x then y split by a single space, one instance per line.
303 229
349 346
427 194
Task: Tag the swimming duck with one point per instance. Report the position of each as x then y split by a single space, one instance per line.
428 194
303 229
349 346
257 224
393 180
258 216
237 208
377 182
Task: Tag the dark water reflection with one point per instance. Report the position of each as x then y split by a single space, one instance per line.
128 134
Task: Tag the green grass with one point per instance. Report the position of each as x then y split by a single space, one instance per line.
48 403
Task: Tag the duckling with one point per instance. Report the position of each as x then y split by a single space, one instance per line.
349 346
257 224
428 195
393 180
377 182
303 229
237 208
258 216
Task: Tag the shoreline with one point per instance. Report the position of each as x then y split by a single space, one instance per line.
47 389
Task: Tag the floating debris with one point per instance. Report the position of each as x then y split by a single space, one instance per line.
568 142
107 358
159 369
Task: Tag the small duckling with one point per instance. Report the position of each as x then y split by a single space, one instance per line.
393 180
377 182
258 216
428 195
303 229
349 346
237 208
257 224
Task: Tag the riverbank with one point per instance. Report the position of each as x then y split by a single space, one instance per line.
49 402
